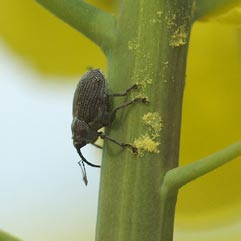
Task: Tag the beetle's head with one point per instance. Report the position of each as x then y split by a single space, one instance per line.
79 133
79 144
82 134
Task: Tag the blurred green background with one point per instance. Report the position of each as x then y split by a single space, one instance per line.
50 57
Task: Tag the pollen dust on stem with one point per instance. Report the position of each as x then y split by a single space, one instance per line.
148 142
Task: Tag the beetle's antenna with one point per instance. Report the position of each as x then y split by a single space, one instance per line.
84 160
83 172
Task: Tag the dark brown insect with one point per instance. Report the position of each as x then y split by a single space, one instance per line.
92 111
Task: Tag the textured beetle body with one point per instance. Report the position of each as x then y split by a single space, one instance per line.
91 108
91 98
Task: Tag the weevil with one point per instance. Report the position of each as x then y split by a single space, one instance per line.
92 110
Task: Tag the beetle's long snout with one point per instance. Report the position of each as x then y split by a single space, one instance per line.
84 159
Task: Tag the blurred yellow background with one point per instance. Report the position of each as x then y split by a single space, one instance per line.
211 110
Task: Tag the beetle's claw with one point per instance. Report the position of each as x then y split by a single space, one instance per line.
134 150
145 100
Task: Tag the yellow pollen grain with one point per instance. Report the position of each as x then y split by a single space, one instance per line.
145 143
153 120
179 37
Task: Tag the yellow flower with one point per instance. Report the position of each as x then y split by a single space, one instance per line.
229 14
47 43
211 120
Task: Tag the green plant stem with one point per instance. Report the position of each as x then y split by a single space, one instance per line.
97 25
204 7
151 47
179 176
7 237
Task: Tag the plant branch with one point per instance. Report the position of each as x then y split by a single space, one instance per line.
204 7
97 25
151 50
179 176
7 237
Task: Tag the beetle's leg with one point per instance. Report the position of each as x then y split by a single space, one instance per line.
143 100
124 145
135 86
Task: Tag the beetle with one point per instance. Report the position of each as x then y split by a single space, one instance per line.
92 110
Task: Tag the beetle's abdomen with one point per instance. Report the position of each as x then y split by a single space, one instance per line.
89 96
